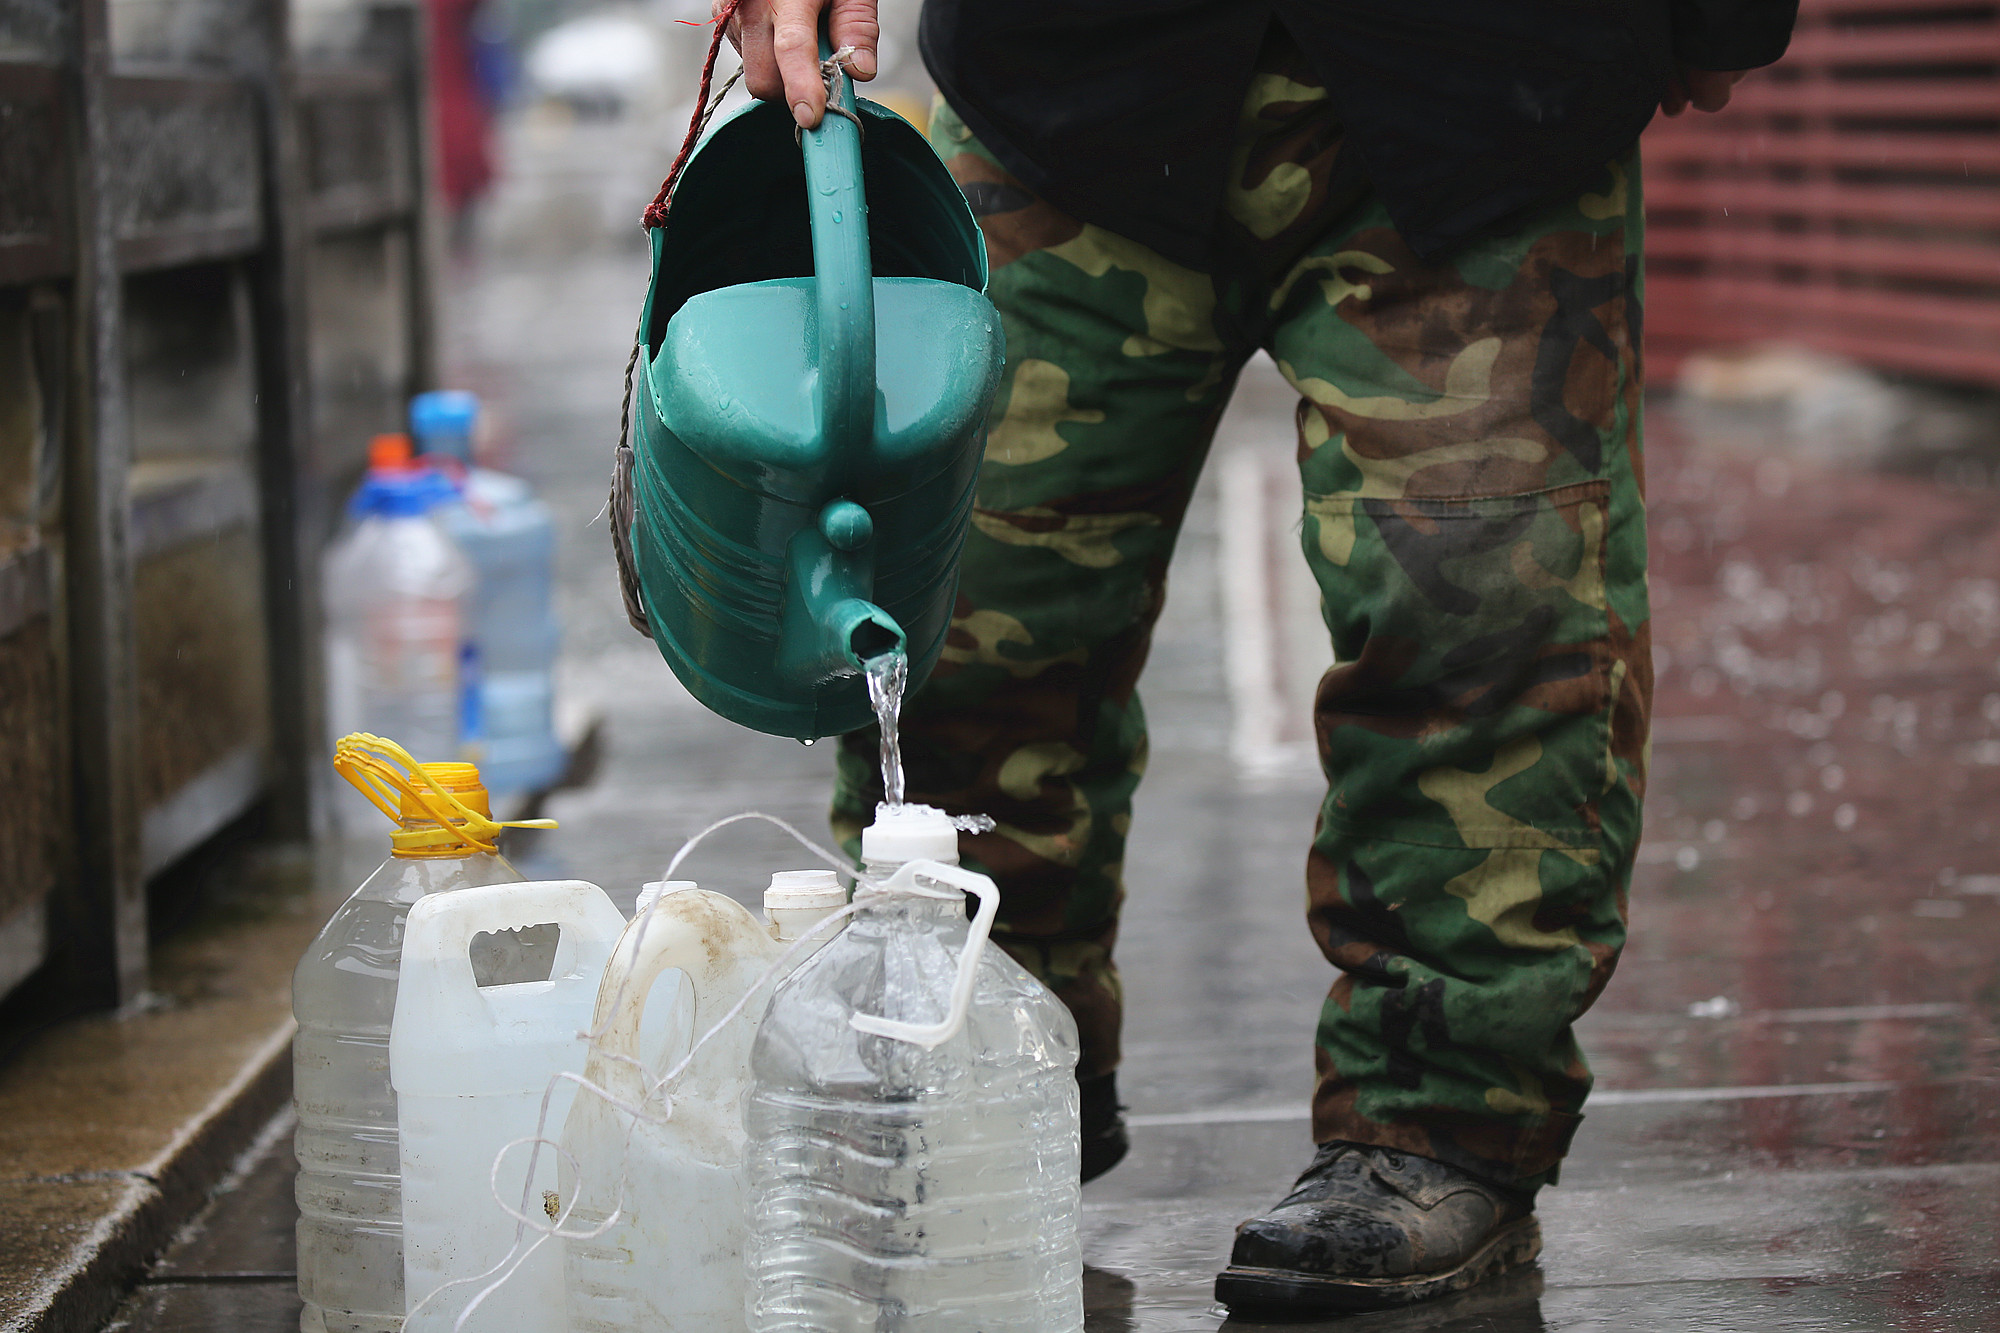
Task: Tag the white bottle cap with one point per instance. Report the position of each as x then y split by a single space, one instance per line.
813 889
659 888
910 833
799 900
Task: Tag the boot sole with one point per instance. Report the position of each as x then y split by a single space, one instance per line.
1284 1291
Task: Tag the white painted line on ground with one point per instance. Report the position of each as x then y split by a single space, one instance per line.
1256 697
1657 1096
1222 1115
1597 1021
1607 1021
1274 638
1251 1115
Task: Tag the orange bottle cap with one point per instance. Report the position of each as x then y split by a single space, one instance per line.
390 453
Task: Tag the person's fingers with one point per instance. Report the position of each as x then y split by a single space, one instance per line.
795 43
1674 100
1702 89
750 30
854 23
1710 90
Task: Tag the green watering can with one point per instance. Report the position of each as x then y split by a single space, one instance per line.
818 362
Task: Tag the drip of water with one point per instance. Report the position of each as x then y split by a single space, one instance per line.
887 675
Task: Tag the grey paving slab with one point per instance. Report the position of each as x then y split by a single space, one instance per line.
69 1244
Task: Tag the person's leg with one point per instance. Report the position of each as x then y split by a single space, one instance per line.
1115 379
1470 449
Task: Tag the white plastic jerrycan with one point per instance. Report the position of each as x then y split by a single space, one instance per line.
674 1257
471 1065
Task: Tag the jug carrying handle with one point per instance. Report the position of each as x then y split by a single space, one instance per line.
669 940
441 927
843 272
932 1035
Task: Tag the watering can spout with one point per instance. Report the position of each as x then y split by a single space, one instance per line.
829 627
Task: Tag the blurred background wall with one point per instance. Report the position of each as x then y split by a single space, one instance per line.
1848 200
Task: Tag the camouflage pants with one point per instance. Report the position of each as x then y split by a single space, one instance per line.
1468 437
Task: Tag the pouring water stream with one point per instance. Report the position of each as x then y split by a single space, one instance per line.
887 675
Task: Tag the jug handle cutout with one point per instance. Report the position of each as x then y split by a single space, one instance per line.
932 1035
441 928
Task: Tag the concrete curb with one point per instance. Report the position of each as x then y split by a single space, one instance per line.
77 1294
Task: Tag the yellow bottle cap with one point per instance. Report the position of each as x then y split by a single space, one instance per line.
443 809
459 780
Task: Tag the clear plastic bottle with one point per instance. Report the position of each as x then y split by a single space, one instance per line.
396 589
509 536
913 1160
350 1233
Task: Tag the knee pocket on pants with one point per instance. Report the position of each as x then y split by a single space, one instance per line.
1470 705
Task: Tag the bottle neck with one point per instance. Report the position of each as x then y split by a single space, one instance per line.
906 911
406 879
793 923
422 840
878 872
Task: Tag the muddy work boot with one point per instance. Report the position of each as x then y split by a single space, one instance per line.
1367 1228
1105 1142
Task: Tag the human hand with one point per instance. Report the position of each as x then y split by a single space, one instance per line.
1702 89
779 43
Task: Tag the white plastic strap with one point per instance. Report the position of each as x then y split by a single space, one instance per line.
904 882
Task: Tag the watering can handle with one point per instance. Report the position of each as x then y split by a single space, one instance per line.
837 207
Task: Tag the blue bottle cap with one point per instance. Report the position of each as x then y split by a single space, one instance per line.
448 410
401 493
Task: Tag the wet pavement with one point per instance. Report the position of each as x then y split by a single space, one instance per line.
1798 1118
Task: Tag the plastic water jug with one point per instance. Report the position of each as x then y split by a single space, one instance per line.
509 537
819 359
913 1120
674 1257
472 1066
350 1237
396 589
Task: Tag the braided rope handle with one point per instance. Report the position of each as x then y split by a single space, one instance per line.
621 505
